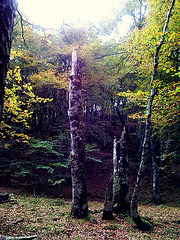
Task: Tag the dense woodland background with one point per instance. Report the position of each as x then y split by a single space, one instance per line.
116 73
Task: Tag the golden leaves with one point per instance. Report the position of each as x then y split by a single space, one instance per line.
19 98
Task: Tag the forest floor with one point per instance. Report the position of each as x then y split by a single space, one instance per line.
50 219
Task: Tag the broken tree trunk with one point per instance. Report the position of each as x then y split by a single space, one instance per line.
147 137
79 193
123 170
117 195
121 196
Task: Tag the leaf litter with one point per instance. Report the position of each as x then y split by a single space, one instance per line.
50 219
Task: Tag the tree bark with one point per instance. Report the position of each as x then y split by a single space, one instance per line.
115 171
108 206
124 200
7 15
79 193
146 143
121 197
156 192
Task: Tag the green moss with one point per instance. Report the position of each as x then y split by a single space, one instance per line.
113 227
90 217
143 224
147 225
129 219
162 206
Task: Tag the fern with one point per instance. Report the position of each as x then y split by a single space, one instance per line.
50 169
95 160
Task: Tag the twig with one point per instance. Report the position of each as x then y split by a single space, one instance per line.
18 238
22 28
18 221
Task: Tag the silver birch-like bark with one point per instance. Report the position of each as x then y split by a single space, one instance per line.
147 136
156 192
7 15
115 172
79 193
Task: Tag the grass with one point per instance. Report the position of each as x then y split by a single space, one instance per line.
50 219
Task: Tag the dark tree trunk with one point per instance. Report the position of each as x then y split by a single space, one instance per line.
79 196
7 197
7 15
108 206
4 197
146 143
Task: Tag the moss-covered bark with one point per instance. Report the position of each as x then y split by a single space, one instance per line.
79 196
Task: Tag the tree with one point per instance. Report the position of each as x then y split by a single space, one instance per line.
7 15
79 197
147 136
117 194
121 198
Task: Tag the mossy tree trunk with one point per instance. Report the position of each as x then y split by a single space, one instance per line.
147 137
79 193
7 15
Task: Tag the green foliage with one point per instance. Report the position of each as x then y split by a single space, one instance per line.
90 217
141 46
95 160
91 147
43 146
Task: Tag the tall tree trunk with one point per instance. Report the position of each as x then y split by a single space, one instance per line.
7 15
79 196
146 143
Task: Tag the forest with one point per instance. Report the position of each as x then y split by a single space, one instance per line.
89 125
